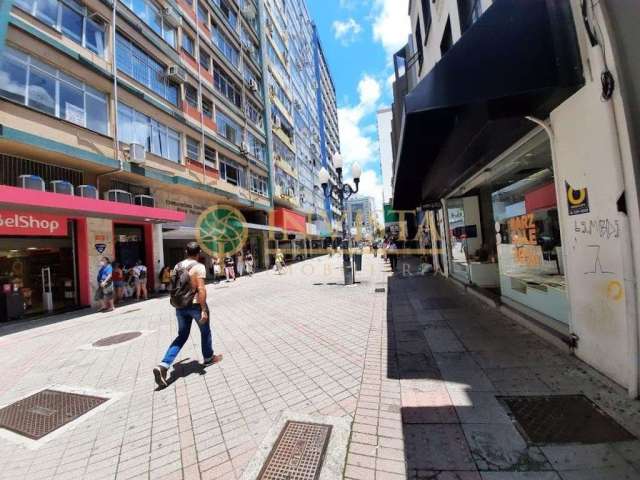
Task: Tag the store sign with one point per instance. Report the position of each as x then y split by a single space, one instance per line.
523 234
32 224
100 247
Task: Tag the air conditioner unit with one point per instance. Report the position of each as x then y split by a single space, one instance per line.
120 196
137 153
144 200
277 123
296 103
249 11
172 17
244 148
87 191
61 186
176 73
253 85
32 182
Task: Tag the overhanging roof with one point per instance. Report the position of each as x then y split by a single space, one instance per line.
519 58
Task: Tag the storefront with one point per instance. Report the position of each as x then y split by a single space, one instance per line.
504 233
51 244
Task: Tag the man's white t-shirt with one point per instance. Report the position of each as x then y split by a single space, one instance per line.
198 270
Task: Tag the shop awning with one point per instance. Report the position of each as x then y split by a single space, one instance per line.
520 58
22 199
183 232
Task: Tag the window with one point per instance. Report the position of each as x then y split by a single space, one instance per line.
228 12
71 19
228 128
205 60
207 107
447 39
150 14
231 172
193 149
187 44
226 86
155 137
253 113
469 11
143 68
191 95
51 91
256 148
224 45
418 33
209 157
203 14
426 15
259 185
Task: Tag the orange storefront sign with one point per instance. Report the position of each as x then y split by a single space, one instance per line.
289 220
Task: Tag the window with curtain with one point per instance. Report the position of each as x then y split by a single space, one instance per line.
70 18
193 149
29 81
155 137
227 87
228 128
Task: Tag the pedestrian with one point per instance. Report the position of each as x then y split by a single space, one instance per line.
392 253
217 269
240 263
104 292
229 271
165 278
279 262
189 298
375 249
248 263
139 273
118 282
330 251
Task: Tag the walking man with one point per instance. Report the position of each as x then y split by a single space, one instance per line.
189 297
393 254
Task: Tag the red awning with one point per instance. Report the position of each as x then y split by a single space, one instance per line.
22 199
289 220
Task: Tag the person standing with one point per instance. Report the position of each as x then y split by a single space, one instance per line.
229 271
392 253
189 298
375 249
240 263
279 261
118 282
165 278
104 293
217 270
248 262
140 280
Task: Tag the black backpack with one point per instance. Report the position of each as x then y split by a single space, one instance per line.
180 288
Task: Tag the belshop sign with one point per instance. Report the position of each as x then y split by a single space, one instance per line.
32 224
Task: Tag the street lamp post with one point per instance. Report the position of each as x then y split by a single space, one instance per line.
344 191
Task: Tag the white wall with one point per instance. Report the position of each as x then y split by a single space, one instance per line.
384 120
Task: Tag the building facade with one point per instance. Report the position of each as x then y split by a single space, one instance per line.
361 218
521 171
121 124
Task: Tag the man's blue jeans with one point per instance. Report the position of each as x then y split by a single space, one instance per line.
185 316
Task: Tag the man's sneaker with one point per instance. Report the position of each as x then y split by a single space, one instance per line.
213 360
160 374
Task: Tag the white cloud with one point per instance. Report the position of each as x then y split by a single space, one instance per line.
391 24
346 31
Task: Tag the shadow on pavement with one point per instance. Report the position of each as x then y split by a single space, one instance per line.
183 369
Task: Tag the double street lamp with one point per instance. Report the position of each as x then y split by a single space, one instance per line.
343 191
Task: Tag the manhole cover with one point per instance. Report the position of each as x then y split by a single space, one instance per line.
298 453
381 290
564 419
115 339
46 411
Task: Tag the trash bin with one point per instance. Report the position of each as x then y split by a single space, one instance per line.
358 261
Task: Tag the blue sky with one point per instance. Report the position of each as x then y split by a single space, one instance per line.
359 38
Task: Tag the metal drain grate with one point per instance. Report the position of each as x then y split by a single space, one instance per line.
46 411
298 453
381 290
564 419
115 339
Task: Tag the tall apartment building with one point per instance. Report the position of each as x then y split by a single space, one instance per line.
303 119
127 121
361 217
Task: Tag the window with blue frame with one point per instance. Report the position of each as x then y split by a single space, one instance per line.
36 84
257 148
231 171
224 45
227 87
155 137
141 67
150 14
228 12
70 18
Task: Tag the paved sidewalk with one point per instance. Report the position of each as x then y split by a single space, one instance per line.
416 367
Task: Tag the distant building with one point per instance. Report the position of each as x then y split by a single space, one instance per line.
384 120
361 217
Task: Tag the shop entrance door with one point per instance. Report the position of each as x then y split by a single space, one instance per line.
129 244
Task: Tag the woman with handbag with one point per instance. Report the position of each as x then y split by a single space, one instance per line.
104 293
